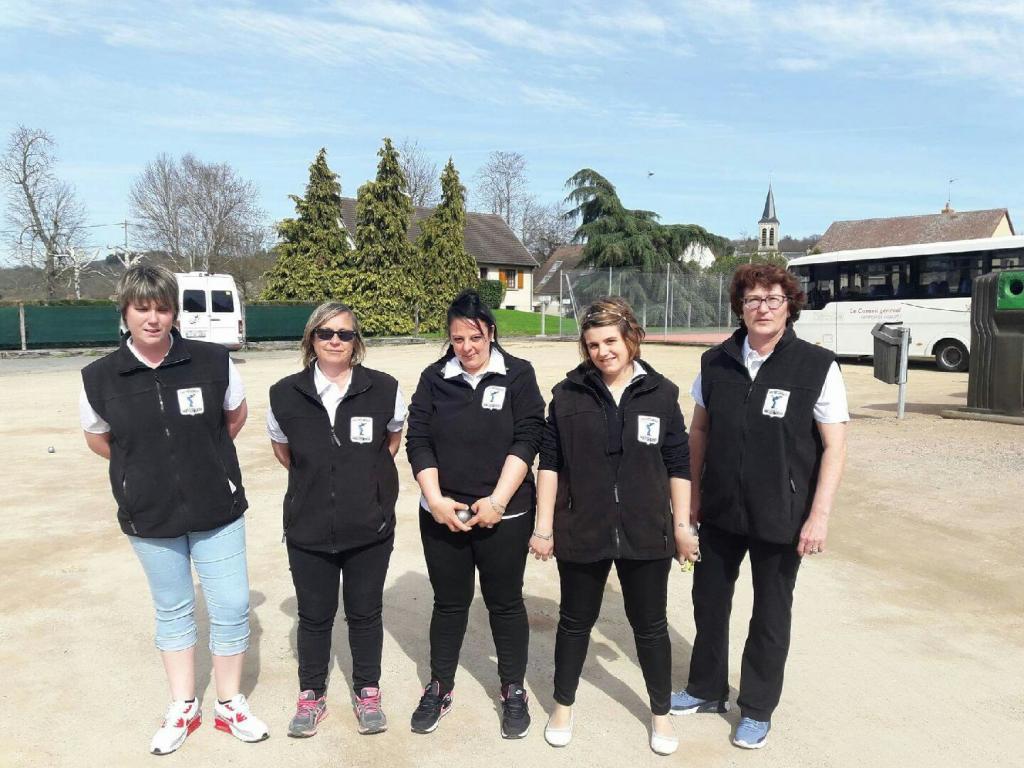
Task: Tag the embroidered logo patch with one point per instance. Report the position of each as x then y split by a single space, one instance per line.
775 403
190 401
494 398
360 429
648 429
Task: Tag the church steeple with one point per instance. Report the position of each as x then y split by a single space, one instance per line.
768 226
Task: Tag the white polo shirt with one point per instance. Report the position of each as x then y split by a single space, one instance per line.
94 423
831 406
330 395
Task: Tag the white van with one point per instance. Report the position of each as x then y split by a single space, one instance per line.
211 309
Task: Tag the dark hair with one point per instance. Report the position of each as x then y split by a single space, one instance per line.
748 276
470 307
611 311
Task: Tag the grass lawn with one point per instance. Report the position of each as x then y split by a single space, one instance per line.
512 322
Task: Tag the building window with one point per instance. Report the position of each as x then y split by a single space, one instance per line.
771 236
483 273
764 237
513 279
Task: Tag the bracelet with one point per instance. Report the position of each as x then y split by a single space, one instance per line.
499 507
689 527
543 536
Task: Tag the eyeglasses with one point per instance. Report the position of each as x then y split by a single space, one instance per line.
774 301
326 334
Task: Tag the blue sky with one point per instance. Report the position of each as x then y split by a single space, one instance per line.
854 109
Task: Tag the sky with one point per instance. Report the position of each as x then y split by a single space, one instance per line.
850 109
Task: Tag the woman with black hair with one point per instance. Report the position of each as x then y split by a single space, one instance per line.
475 425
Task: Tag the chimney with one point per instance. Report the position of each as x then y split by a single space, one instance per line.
948 208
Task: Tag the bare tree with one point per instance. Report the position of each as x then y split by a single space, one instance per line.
542 228
77 263
421 175
501 186
46 216
202 215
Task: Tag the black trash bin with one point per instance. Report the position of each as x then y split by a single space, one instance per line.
996 379
888 339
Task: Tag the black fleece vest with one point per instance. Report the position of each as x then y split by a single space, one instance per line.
342 482
170 453
606 508
763 449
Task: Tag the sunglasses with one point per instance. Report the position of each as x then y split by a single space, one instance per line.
326 334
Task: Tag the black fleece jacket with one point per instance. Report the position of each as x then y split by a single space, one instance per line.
467 434
614 465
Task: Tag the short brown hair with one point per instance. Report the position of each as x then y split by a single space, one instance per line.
748 276
607 311
143 283
321 315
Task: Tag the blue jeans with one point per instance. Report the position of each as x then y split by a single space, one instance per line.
219 558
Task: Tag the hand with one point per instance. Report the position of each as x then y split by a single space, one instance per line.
444 510
687 545
485 514
813 535
542 549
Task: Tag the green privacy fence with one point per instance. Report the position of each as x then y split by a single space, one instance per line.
96 324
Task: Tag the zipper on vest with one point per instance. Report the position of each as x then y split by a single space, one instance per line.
127 511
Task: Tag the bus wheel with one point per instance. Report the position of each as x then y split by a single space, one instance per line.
951 356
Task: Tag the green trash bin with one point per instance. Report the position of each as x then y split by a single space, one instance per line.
996 382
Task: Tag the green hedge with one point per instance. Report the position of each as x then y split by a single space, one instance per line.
492 292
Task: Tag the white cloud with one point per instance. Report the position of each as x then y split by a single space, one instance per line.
552 98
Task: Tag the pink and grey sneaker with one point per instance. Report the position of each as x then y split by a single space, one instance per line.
368 712
234 717
309 711
182 718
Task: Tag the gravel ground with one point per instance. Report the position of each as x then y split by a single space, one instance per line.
907 632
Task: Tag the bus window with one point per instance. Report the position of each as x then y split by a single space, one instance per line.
948 275
194 301
223 301
818 282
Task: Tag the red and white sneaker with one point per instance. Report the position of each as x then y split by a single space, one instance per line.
182 718
235 718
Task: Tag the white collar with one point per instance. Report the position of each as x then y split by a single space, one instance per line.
496 364
751 354
638 372
144 361
322 384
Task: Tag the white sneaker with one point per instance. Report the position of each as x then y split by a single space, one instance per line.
559 737
235 718
181 719
663 744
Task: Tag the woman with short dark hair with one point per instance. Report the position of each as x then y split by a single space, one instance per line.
613 488
475 424
165 411
768 442
336 426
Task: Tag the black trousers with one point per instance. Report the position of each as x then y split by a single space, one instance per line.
315 576
773 570
453 559
645 596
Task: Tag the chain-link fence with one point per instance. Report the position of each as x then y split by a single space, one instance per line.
669 302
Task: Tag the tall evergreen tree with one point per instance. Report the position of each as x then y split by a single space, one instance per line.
444 267
315 261
386 286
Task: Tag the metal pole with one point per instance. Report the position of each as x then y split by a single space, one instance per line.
902 378
561 285
21 325
721 323
668 267
609 281
543 307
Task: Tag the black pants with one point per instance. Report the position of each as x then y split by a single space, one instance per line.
773 570
315 576
645 596
499 554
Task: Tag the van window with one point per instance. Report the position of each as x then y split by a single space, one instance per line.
194 301
223 301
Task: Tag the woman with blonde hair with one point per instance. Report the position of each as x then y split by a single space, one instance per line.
165 412
336 426
613 488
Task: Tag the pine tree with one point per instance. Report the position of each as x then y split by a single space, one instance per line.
315 261
386 290
444 267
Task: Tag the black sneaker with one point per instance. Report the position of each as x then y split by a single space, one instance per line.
433 706
515 712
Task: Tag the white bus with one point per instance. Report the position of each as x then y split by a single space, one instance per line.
926 286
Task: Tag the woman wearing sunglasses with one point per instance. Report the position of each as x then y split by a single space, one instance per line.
336 426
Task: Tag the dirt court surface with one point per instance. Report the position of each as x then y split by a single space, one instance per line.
907 650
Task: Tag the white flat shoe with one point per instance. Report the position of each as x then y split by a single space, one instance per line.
559 737
663 745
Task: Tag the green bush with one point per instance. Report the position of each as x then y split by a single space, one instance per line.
58 303
492 292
